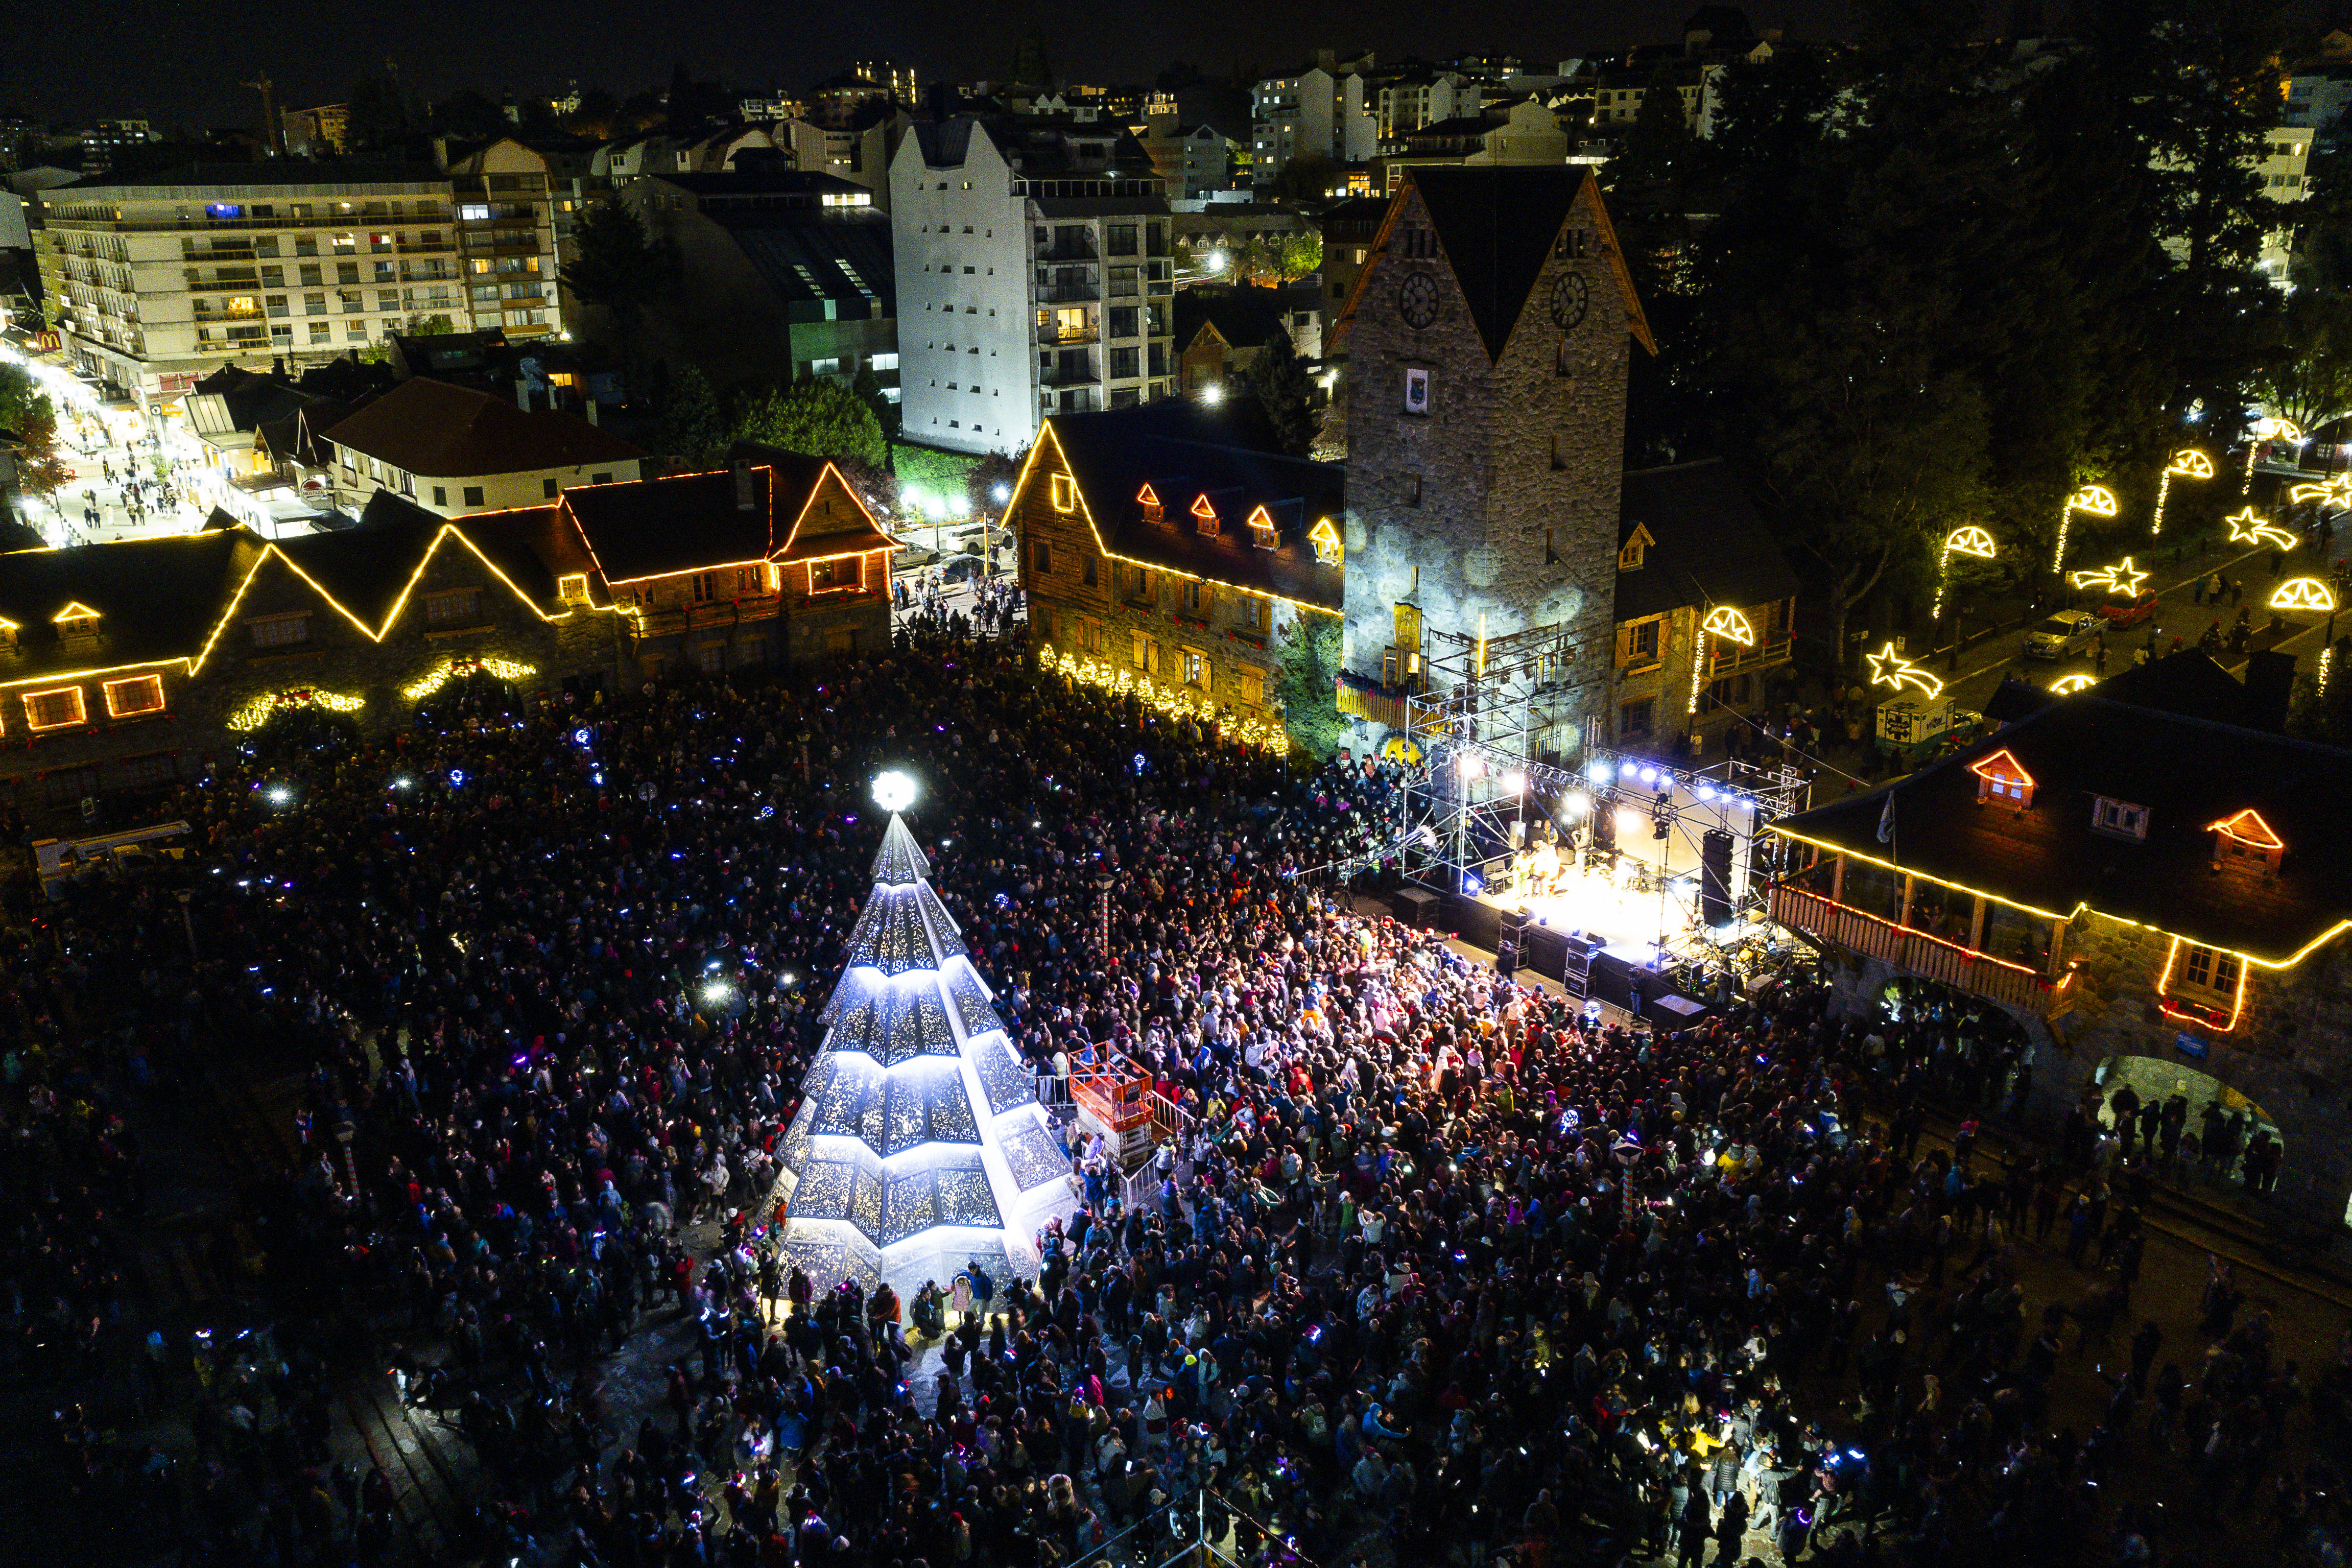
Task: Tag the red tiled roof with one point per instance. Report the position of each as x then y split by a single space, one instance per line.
441 431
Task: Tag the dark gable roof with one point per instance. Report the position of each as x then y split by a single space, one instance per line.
441 431
1496 225
1182 451
799 534
762 181
1245 317
366 569
2189 772
685 522
1708 545
156 598
276 172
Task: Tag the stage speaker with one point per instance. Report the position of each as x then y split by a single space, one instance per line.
1714 877
1513 926
1604 823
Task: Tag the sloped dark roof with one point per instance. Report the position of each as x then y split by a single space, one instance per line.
800 253
1182 451
2190 683
251 398
156 598
1708 545
762 181
432 428
276 171
2188 771
797 533
684 523
1496 225
1245 317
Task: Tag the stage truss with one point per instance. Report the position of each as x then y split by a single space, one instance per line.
1478 731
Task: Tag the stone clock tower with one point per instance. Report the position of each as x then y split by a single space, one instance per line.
1487 340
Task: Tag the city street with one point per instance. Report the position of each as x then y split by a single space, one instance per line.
117 492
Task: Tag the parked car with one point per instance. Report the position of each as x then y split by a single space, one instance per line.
2121 612
2066 633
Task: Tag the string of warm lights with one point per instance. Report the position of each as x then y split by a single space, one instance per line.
504 668
1173 702
262 709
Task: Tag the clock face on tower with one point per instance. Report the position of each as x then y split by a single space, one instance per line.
1417 300
1569 297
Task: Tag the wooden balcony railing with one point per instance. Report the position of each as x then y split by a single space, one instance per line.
1912 951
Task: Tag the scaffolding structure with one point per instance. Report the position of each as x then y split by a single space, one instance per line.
1481 731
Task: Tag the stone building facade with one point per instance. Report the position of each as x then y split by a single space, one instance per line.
2145 883
124 667
1158 548
1487 338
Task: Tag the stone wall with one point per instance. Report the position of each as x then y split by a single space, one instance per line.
2288 1054
1501 501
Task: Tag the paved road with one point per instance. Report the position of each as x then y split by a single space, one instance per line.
103 465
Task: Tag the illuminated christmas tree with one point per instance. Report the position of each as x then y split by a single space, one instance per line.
919 1143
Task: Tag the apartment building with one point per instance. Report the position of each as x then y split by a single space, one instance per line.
1324 111
1034 276
1425 98
2283 169
505 196
1617 101
155 282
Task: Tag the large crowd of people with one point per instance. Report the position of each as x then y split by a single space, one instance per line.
1439 1267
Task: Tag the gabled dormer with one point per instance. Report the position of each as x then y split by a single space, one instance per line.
78 626
1147 500
1263 533
1204 515
2246 842
1631 553
2000 777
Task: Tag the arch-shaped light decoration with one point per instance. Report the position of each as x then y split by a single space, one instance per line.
2067 685
2189 464
2096 499
1729 624
1970 541
2303 594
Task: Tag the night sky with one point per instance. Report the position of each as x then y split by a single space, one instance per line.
175 64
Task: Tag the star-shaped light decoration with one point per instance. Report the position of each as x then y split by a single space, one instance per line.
2334 492
1888 668
2246 527
2123 578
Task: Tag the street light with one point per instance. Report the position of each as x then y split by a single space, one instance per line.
1970 541
2096 499
1723 622
2261 430
2189 464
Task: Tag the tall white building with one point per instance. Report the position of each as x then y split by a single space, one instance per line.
1036 274
157 282
1328 110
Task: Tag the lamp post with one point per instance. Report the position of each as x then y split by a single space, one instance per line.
2096 499
2189 464
1970 541
2261 430
1723 622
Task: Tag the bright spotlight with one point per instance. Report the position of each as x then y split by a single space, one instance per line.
715 992
894 790
1513 783
1470 766
280 795
1213 394
1218 261
1004 493
1576 804
1629 823
1599 773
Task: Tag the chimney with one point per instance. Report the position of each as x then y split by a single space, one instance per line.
742 486
588 406
523 394
2270 683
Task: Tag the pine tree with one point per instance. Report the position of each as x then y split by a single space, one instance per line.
1283 390
692 426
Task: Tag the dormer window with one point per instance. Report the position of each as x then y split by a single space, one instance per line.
76 620
1204 516
8 633
1066 493
2246 839
2118 818
1263 533
1999 777
1630 552
1153 512
1329 549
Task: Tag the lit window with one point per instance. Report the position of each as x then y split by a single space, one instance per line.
1325 536
134 695
1066 493
1999 777
1205 515
572 585
458 606
55 710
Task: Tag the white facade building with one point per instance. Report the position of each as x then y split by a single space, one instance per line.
1323 113
1036 274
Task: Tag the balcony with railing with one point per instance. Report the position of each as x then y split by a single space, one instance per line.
1075 244
1913 951
1057 336
1075 368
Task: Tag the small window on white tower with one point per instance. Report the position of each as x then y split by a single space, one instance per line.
1416 391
